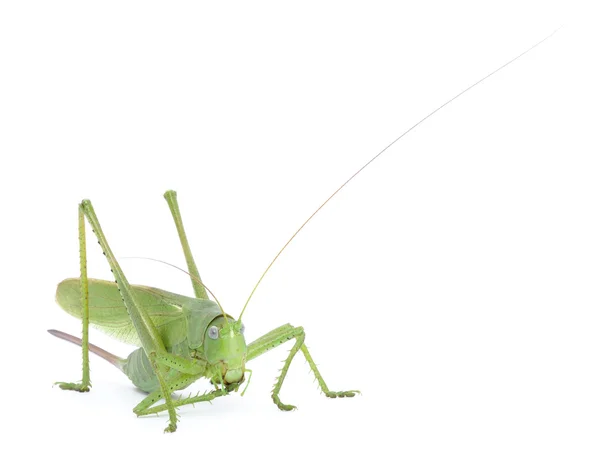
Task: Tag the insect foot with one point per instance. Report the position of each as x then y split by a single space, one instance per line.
342 394
80 387
171 428
280 405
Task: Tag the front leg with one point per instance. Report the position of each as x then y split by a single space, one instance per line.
179 381
279 336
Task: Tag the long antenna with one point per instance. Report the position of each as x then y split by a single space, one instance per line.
380 153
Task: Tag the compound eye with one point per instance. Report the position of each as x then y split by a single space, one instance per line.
213 332
242 329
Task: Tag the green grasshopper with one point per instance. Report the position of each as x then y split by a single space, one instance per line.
181 339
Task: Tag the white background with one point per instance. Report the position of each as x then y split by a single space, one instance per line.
455 282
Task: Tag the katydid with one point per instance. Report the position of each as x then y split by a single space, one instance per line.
181 339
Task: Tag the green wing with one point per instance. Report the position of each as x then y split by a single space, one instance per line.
108 312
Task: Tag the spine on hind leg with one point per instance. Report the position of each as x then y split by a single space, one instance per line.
116 361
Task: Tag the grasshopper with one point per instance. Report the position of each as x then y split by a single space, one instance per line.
182 339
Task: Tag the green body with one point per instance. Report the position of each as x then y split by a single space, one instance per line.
181 323
181 339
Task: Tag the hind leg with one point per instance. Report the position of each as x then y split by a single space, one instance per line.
85 383
145 329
